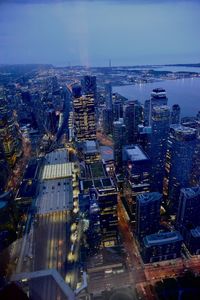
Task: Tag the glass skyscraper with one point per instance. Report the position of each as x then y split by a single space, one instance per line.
179 161
160 130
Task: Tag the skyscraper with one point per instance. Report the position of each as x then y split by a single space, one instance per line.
175 114
189 208
119 140
160 130
107 115
117 110
179 161
147 214
133 116
90 87
108 95
158 98
84 117
188 221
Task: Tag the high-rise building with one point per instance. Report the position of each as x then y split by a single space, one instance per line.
147 214
189 208
175 114
90 87
119 140
133 116
188 221
158 98
107 115
160 130
179 161
84 117
144 138
137 166
117 110
108 95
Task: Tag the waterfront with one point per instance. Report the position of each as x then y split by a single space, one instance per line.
185 92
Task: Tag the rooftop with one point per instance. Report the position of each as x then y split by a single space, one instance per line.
162 238
90 147
149 197
191 192
195 232
106 153
97 170
59 170
183 130
135 153
60 155
55 195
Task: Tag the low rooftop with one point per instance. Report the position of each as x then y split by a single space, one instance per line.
163 238
54 196
149 197
135 153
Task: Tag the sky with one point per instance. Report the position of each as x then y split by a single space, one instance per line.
80 32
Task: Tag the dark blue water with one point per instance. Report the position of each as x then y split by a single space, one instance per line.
185 92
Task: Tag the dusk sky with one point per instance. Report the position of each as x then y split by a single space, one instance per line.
92 32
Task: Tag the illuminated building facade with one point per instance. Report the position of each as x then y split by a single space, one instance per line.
158 98
160 130
179 161
102 204
147 214
84 118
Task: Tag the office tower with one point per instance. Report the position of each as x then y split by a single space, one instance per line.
52 121
144 138
147 120
133 116
107 115
195 178
137 166
84 116
161 246
158 98
189 208
179 161
175 114
103 201
90 87
9 133
147 214
119 140
76 91
117 110
108 95
188 221
160 130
